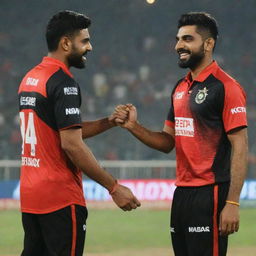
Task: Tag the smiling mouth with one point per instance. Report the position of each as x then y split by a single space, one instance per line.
183 54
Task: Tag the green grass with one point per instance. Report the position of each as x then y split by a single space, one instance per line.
114 230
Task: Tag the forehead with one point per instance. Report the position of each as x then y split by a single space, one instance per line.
83 34
188 30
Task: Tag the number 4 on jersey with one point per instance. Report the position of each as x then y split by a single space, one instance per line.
28 132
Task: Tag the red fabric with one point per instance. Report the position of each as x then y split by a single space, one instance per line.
198 129
73 215
53 182
215 222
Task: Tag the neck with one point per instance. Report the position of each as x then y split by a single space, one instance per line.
58 56
196 71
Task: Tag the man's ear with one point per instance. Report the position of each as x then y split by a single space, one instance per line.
65 44
209 44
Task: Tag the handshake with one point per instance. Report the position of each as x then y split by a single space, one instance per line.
124 116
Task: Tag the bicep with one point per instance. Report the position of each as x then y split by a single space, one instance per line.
70 137
169 130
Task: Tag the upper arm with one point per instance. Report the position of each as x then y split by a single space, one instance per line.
169 130
70 138
234 110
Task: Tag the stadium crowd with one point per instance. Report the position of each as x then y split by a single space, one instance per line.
133 61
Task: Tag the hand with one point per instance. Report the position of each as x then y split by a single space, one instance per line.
130 113
120 115
124 198
229 220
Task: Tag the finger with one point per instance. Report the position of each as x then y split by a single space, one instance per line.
118 120
223 230
121 108
128 207
237 227
136 201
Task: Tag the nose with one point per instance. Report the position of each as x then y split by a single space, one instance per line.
89 47
179 45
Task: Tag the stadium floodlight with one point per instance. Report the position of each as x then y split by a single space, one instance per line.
150 1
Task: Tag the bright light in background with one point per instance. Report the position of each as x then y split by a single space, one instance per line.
150 1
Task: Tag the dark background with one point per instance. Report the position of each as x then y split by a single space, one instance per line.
133 60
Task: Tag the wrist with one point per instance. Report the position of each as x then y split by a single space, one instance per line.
113 189
111 122
232 202
131 125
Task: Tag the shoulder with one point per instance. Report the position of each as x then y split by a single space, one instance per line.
60 81
229 83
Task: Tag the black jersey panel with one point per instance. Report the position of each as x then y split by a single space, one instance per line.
40 104
65 97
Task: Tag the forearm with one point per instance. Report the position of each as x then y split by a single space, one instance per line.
158 140
82 157
239 160
92 128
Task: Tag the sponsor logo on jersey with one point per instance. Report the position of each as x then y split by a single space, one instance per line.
28 101
72 111
178 95
184 126
29 161
198 229
201 96
32 81
237 110
70 91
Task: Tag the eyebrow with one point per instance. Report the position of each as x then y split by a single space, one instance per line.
85 40
184 37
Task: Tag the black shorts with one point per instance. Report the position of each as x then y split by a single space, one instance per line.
195 220
60 233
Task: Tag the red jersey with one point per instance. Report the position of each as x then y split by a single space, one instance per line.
202 112
49 100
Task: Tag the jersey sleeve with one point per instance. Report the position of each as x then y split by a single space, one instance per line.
66 99
170 121
234 111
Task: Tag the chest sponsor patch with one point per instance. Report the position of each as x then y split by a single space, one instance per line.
184 126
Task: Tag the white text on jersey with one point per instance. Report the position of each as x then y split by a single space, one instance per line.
70 91
72 111
28 101
32 81
29 161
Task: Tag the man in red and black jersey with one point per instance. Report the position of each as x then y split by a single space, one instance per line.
53 152
207 126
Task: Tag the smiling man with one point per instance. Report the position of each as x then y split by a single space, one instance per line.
53 153
207 126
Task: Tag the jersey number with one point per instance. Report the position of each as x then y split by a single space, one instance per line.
28 132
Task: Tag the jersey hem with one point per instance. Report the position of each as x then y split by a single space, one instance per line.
25 210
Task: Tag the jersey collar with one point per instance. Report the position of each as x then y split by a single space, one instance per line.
52 61
210 69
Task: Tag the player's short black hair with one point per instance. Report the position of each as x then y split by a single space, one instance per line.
204 22
64 23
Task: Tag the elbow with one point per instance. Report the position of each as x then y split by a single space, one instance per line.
68 147
166 149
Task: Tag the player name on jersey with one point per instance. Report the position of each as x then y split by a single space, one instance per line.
29 161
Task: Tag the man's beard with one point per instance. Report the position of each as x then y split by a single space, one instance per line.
194 60
75 59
